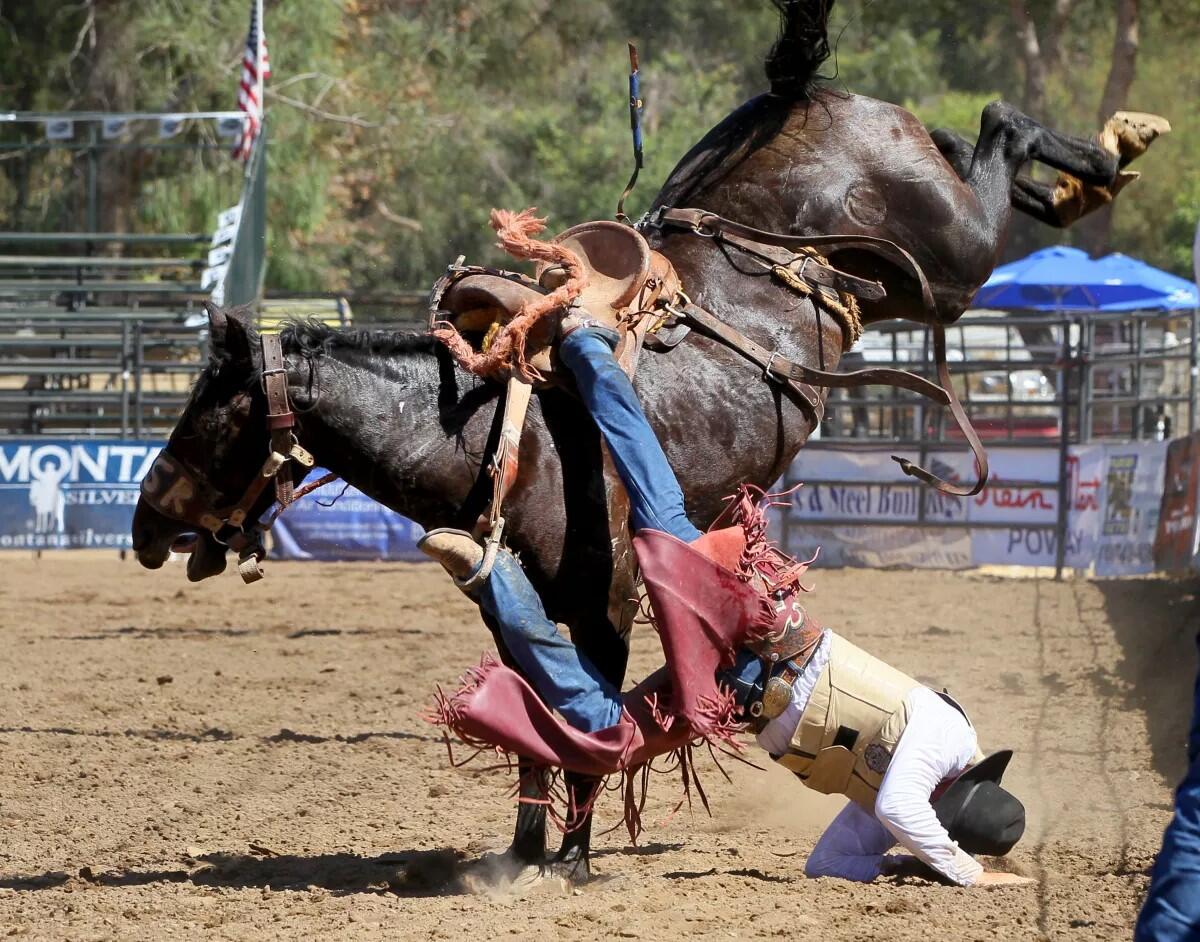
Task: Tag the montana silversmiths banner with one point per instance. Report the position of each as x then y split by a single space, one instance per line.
62 494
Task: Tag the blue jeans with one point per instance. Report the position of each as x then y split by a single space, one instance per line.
656 500
1172 909
564 677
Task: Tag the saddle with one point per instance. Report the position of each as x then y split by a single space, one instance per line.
625 281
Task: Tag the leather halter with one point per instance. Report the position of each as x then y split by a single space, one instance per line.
186 494
773 248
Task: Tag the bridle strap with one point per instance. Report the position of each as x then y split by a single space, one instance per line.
964 426
802 378
280 418
176 491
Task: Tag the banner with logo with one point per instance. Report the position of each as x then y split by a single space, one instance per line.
851 497
340 522
1133 495
1023 520
60 494
1175 541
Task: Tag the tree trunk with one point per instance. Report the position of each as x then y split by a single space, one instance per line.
1097 233
110 87
1034 101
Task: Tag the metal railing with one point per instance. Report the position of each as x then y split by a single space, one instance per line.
125 378
1049 381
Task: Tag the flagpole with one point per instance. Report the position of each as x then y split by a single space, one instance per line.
261 32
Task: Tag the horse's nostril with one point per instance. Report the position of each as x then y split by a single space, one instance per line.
186 543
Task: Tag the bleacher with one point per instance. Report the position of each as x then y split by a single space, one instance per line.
102 333
98 344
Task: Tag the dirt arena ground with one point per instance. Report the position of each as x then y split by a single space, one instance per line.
249 763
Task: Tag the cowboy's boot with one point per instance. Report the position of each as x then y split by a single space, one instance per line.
456 550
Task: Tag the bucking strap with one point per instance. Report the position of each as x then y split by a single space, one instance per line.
803 378
710 225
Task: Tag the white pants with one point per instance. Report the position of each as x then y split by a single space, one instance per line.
937 743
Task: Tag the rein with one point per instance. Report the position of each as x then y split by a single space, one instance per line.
185 494
773 249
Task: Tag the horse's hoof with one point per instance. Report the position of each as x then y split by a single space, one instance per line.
504 874
572 866
1130 133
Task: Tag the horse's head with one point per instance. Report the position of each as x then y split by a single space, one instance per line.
202 492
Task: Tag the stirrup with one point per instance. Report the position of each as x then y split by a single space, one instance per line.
491 547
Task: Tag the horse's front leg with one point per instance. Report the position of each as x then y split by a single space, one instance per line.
528 848
604 638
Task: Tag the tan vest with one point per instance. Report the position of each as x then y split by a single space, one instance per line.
851 724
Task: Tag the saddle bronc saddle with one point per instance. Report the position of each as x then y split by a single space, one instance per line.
625 280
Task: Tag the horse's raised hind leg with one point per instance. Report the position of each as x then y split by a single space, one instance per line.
1008 138
1028 196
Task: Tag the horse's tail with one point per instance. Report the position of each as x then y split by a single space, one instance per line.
802 47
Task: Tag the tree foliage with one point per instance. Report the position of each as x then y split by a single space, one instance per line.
395 125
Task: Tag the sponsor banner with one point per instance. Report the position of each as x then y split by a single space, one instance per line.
867 485
1175 540
337 524
1018 521
1133 494
59 494
882 547
1028 517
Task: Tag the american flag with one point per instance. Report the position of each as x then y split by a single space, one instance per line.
256 69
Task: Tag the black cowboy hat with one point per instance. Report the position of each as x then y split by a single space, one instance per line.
981 816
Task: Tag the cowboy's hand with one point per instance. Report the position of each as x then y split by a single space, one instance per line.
1000 878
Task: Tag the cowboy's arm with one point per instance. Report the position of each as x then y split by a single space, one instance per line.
904 809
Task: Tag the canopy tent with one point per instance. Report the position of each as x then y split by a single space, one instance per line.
1062 278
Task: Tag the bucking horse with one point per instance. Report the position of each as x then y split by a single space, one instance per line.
801 181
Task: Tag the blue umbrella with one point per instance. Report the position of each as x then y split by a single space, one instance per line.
1061 278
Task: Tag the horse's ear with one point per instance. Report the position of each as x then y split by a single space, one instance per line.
230 333
217 325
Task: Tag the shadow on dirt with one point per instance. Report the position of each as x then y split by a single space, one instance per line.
404 873
1155 623
215 734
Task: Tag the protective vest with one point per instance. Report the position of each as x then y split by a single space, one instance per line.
851 724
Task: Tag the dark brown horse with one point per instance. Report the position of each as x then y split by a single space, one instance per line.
393 415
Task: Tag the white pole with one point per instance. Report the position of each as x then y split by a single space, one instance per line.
262 31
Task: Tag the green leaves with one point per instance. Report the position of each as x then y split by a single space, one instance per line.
397 124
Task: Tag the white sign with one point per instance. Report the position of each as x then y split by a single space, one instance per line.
170 125
113 128
60 130
882 547
1030 537
224 235
219 256
229 217
1132 496
213 276
229 127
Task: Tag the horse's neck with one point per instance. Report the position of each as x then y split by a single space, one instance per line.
387 426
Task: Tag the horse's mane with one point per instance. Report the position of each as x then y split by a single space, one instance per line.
792 67
312 337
